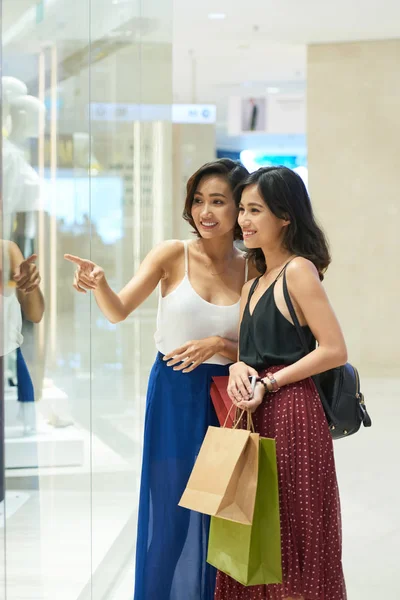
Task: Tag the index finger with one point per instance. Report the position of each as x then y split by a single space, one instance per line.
75 259
31 258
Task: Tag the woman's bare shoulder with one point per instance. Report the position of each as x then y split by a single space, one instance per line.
167 251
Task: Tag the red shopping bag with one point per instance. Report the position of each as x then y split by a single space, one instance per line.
221 401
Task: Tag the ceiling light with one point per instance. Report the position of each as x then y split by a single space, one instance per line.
273 90
216 16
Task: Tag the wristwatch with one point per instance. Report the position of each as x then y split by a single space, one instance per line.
273 381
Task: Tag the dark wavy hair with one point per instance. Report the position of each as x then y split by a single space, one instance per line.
285 194
231 170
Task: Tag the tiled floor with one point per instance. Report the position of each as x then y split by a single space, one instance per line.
124 588
368 471
50 554
54 543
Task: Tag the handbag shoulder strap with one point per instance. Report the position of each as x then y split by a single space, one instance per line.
307 350
292 312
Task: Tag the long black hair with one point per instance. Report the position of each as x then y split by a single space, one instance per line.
285 194
231 170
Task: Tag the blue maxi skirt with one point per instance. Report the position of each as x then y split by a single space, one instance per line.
172 541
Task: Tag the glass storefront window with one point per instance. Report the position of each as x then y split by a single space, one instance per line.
86 164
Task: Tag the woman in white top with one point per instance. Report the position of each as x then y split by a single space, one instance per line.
197 335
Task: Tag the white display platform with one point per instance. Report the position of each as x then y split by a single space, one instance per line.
49 447
31 442
23 414
13 409
13 502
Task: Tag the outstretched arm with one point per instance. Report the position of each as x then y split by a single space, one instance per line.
117 306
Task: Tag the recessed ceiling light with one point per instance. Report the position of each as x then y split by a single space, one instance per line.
216 16
273 90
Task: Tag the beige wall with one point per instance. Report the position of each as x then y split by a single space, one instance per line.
354 173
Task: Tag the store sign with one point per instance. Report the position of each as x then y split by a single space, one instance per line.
178 113
194 113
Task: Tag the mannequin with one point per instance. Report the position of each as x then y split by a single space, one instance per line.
12 89
28 119
21 198
21 183
27 115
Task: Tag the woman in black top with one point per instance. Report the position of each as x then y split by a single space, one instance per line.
282 236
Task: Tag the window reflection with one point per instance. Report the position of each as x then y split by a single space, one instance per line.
73 384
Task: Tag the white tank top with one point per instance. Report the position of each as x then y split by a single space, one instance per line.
183 315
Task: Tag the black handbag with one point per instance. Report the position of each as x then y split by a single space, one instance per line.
339 388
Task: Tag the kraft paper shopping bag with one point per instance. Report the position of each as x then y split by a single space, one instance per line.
251 554
223 482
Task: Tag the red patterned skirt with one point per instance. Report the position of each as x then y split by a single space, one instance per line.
309 500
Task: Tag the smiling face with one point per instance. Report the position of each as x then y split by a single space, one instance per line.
213 210
261 228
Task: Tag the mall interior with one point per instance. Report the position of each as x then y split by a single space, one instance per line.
108 107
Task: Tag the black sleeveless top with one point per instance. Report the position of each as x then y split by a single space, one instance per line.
266 337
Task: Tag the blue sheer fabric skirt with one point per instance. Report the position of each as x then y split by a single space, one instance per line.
172 541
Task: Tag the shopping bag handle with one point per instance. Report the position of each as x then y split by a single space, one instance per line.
237 420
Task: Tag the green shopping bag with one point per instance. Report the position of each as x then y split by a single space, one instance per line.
251 554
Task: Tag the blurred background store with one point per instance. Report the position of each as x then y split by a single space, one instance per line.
108 106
